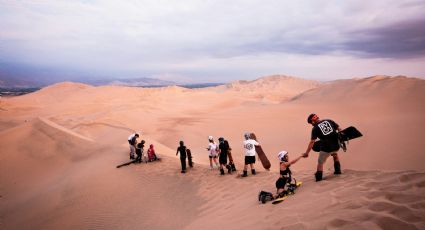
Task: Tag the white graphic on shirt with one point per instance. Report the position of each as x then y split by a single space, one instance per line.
325 127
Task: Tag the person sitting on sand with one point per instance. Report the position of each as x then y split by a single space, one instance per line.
283 183
182 150
151 154
285 176
212 151
132 141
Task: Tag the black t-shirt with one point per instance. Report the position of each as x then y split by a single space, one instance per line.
182 150
224 148
325 130
139 148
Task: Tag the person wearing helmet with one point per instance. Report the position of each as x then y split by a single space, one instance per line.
285 176
249 147
182 150
132 141
326 131
212 152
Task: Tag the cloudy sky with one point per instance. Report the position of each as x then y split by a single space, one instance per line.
212 41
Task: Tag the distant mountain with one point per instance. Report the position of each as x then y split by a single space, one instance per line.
38 82
144 81
20 82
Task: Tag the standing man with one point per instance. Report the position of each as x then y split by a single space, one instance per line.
222 158
326 131
132 140
249 146
182 150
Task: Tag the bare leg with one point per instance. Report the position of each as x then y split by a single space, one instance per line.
215 161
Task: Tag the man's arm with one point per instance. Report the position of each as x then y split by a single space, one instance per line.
310 146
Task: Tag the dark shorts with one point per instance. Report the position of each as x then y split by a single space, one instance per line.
222 160
249 160
215 156
280 183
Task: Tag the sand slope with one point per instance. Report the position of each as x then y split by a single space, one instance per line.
60 145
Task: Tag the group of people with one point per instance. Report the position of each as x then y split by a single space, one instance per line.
326 130
137 150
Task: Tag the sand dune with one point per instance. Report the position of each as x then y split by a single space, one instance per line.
60 146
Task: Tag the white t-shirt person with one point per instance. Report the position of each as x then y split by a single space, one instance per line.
212 149
249 146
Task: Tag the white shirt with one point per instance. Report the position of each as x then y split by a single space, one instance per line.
131 136
212 149
249 146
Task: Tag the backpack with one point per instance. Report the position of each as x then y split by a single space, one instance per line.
263 197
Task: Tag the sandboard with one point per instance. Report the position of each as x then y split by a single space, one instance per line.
189 158
127 163
263 158
350 133
231 163
346 135
279 200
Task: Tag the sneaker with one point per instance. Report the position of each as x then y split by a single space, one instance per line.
229 169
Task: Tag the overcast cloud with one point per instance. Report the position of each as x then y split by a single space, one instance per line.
214 41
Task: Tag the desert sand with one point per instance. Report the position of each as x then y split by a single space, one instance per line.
60 147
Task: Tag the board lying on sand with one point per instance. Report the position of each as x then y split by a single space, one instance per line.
127 163
279 200
345 135
263 158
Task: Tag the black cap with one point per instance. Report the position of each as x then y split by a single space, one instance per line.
310 117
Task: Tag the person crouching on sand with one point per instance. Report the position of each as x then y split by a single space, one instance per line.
182 150
212 152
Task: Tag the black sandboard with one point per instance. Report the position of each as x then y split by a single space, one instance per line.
346 135
127 163
350 133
